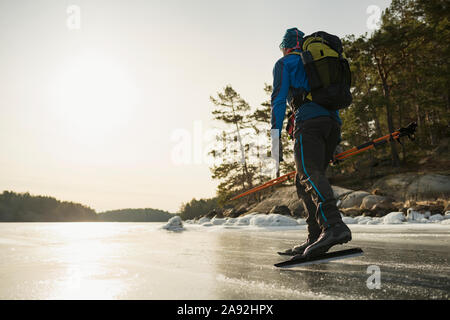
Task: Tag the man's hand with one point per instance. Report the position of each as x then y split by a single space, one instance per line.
291 124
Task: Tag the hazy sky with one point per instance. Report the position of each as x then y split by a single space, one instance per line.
88 114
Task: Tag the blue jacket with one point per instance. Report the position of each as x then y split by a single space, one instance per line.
289 72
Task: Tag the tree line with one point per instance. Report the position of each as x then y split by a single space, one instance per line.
400 74
23 207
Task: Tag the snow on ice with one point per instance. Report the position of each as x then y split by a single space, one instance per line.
277 220
174 224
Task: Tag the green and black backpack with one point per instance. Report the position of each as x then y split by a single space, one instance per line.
327 70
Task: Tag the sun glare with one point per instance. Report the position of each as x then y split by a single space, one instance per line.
93 96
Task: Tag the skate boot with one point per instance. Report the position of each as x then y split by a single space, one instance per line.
298 250
335 234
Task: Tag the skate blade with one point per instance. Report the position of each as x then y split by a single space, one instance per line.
323 258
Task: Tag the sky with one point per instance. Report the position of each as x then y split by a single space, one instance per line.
94 94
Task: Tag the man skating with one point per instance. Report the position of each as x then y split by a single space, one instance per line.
317 134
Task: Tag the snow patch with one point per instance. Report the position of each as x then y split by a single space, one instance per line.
436 218
203 220
174 224
218 221
412 215
278 220
349 220
272 220
362 219
394 218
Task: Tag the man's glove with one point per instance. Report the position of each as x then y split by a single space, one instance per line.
277 149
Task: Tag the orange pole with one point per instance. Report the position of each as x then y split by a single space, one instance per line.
343 155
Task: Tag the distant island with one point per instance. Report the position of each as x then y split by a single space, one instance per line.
135 215
24 207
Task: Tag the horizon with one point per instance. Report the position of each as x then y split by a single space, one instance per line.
109 83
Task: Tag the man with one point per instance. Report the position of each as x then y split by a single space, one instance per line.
317 134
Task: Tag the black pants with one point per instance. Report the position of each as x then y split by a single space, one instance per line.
315 142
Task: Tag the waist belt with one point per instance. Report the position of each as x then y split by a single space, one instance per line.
299 97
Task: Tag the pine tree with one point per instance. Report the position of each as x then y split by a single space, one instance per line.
235 170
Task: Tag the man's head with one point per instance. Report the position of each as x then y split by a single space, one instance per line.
292 40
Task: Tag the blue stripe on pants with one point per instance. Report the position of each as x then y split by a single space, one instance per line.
309 178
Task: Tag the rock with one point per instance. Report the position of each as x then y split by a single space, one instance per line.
218 213
211 214
174 224
378 192
340 192
410 203
394 218
352 212
243 208
353 199
231 213
283 196
381 206
428 206
298 210
386 207
408 186
284 210
371 200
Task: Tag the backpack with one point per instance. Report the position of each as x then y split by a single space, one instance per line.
327 70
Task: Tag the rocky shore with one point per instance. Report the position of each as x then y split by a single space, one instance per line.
418 195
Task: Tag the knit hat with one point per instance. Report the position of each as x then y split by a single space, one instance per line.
292 39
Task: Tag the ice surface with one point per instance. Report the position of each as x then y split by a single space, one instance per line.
101 260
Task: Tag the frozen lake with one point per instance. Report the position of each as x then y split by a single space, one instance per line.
142 261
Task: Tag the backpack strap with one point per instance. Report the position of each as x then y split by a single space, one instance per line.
308 97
